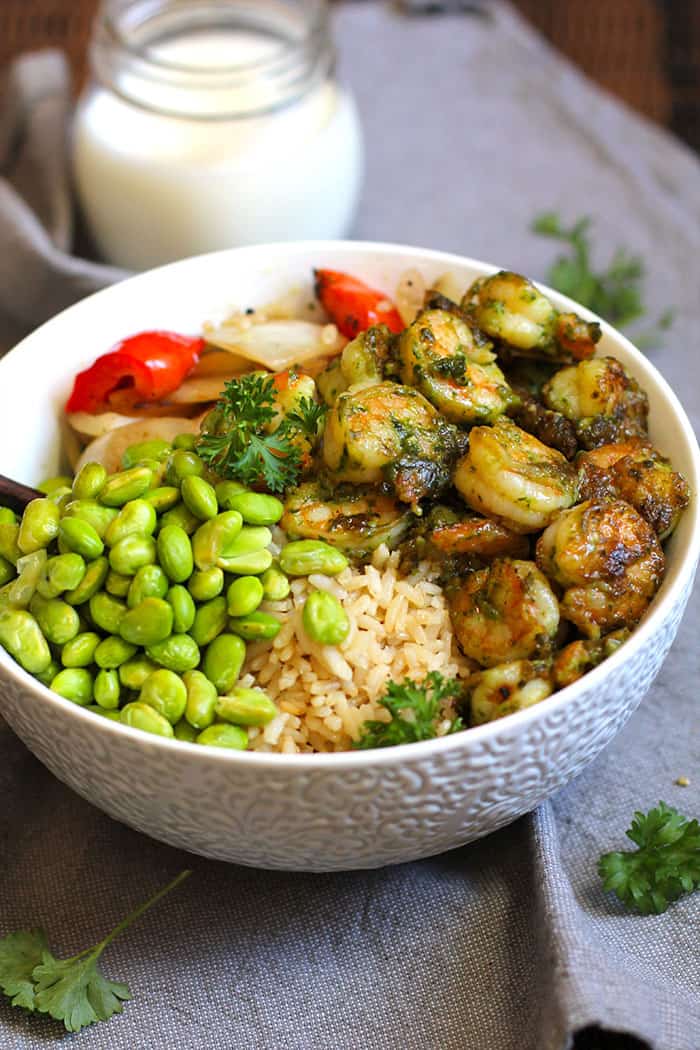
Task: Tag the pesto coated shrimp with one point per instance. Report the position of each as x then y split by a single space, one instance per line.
357 520
480 537
505 611
507 688
608 560
603 401
388 432
509 475
581 656
511 309
636 472
454 368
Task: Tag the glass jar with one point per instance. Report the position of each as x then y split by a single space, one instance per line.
211 124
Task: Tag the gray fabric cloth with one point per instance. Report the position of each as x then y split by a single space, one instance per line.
473 125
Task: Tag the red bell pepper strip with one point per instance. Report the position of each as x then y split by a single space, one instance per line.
352 305
145 367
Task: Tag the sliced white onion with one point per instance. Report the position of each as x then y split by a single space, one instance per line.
450 285
410 294
278 344
88 425
198 390
108 448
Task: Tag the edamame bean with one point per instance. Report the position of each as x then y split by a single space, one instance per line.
113 715
302 557
163 498
93 513
142 716
132 553
7 516
224 736
18 593
256 627
9 534
247 564
148 622
201 699
117 584
186 441
95 576
182 604
61 573
199 497
149 582
50 485
107 689
185 732
59 622
134 673
177 653
175 553
226 490
89 480
81 538
113 652
74 683
325 619
250 539
125 486
257 508
156 449
244 595
246 707
39 525
107 612
210 620
47 676
7 571
182 464
213 537
61 497
137 517
276 586
223 661
207 584
166 693
182 517
80 651
21 635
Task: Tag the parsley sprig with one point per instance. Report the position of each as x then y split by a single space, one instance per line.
414 709
69 990
665 865
239 444
614 293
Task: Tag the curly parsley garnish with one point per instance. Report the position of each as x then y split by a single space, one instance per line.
69 990
665 866
237 442
415 709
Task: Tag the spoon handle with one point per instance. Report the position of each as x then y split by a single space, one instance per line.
16 495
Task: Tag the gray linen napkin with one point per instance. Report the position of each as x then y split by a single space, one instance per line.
506 944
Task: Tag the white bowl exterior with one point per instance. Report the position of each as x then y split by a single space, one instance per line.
315 812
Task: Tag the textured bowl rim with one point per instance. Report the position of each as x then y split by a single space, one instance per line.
356 759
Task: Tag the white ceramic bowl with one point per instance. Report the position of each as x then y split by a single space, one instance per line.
315 812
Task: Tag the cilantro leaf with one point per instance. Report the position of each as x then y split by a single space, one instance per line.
70 990
414 708
237 441
19 953
665 865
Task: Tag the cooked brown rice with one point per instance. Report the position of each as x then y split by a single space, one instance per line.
399 627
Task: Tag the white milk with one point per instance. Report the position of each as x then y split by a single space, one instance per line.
163 170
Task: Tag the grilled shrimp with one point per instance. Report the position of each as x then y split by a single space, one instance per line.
601 399
581 656
480 537
388 432
509 475
636 472
357 520
608 560
505 611
507 688
453 367
511 309
365 360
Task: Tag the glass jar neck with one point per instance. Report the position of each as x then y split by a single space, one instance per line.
212 59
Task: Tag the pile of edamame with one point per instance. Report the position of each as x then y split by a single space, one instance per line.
134 594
